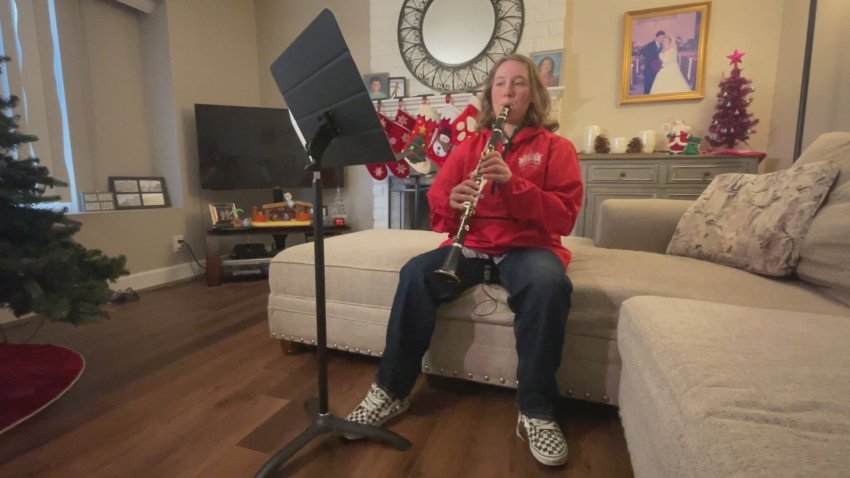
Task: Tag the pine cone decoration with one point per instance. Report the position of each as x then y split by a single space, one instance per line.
601 144
635 145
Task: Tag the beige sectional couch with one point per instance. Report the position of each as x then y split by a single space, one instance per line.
474 337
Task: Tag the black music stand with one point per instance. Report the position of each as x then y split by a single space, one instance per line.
330 107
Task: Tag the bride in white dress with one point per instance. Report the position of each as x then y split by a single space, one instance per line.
669 78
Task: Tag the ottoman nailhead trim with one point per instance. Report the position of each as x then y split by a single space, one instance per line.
454 372
427 368
502 380
369 351
605 398
442 371
356 349
570 392
313 342
486 378
469 375
586 395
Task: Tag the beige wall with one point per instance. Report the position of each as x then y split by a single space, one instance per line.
196 51
199 52
594 51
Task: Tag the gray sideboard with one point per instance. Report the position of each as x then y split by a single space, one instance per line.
653 175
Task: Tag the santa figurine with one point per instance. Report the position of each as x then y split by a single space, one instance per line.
678 134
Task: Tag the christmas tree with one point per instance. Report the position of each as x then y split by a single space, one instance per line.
42 269
732 123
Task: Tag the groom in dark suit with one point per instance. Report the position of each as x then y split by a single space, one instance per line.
652 63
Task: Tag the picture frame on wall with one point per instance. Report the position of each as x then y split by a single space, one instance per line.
377 84
397 87
664 53
97 201
549 66
139 192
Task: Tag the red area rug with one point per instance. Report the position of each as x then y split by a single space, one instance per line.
32 376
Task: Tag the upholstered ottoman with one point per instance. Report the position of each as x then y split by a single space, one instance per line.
474 338
711 390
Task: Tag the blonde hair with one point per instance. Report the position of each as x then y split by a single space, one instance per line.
538 109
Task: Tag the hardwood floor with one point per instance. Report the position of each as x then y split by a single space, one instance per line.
187 382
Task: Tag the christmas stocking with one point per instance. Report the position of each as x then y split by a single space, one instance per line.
396 133
377 171
404 119
400 169
416 150
465 124
441 145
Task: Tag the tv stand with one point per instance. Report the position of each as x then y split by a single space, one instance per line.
214 235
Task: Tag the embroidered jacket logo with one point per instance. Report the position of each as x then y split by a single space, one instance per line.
530 159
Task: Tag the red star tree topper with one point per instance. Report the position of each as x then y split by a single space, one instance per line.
732 123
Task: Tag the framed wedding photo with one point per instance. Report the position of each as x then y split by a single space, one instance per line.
549 66
139 192
398 87
664 53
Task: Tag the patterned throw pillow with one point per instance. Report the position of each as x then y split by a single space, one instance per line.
754 222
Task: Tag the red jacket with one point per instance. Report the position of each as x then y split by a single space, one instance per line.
535 208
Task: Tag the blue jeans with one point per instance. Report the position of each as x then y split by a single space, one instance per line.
538 294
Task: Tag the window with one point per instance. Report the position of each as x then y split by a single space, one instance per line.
28 34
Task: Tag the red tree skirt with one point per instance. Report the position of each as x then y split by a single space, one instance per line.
32 376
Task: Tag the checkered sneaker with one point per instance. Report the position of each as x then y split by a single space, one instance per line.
375 409
545 439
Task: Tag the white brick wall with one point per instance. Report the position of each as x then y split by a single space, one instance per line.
543 29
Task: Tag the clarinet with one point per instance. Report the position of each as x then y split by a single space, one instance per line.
448 272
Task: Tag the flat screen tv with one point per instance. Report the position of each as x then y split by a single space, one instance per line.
244 147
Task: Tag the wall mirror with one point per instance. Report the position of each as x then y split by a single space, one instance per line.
451 45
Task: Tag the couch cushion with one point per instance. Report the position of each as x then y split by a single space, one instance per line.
716 390
604 278
754 222
825 251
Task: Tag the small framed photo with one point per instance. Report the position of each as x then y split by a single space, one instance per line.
97 201
221 214
377 84
398 86
549 66
664 53
140 192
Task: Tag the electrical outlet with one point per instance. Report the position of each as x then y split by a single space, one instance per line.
177 242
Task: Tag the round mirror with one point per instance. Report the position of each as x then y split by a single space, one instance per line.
451 45
450 36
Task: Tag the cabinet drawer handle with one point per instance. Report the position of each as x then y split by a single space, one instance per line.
706 174
622 174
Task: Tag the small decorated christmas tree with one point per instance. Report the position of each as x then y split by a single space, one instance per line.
42 268
338 209
732 123
601 144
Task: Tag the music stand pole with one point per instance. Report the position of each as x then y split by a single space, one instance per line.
317 408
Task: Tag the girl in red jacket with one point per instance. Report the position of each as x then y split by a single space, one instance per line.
531 199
